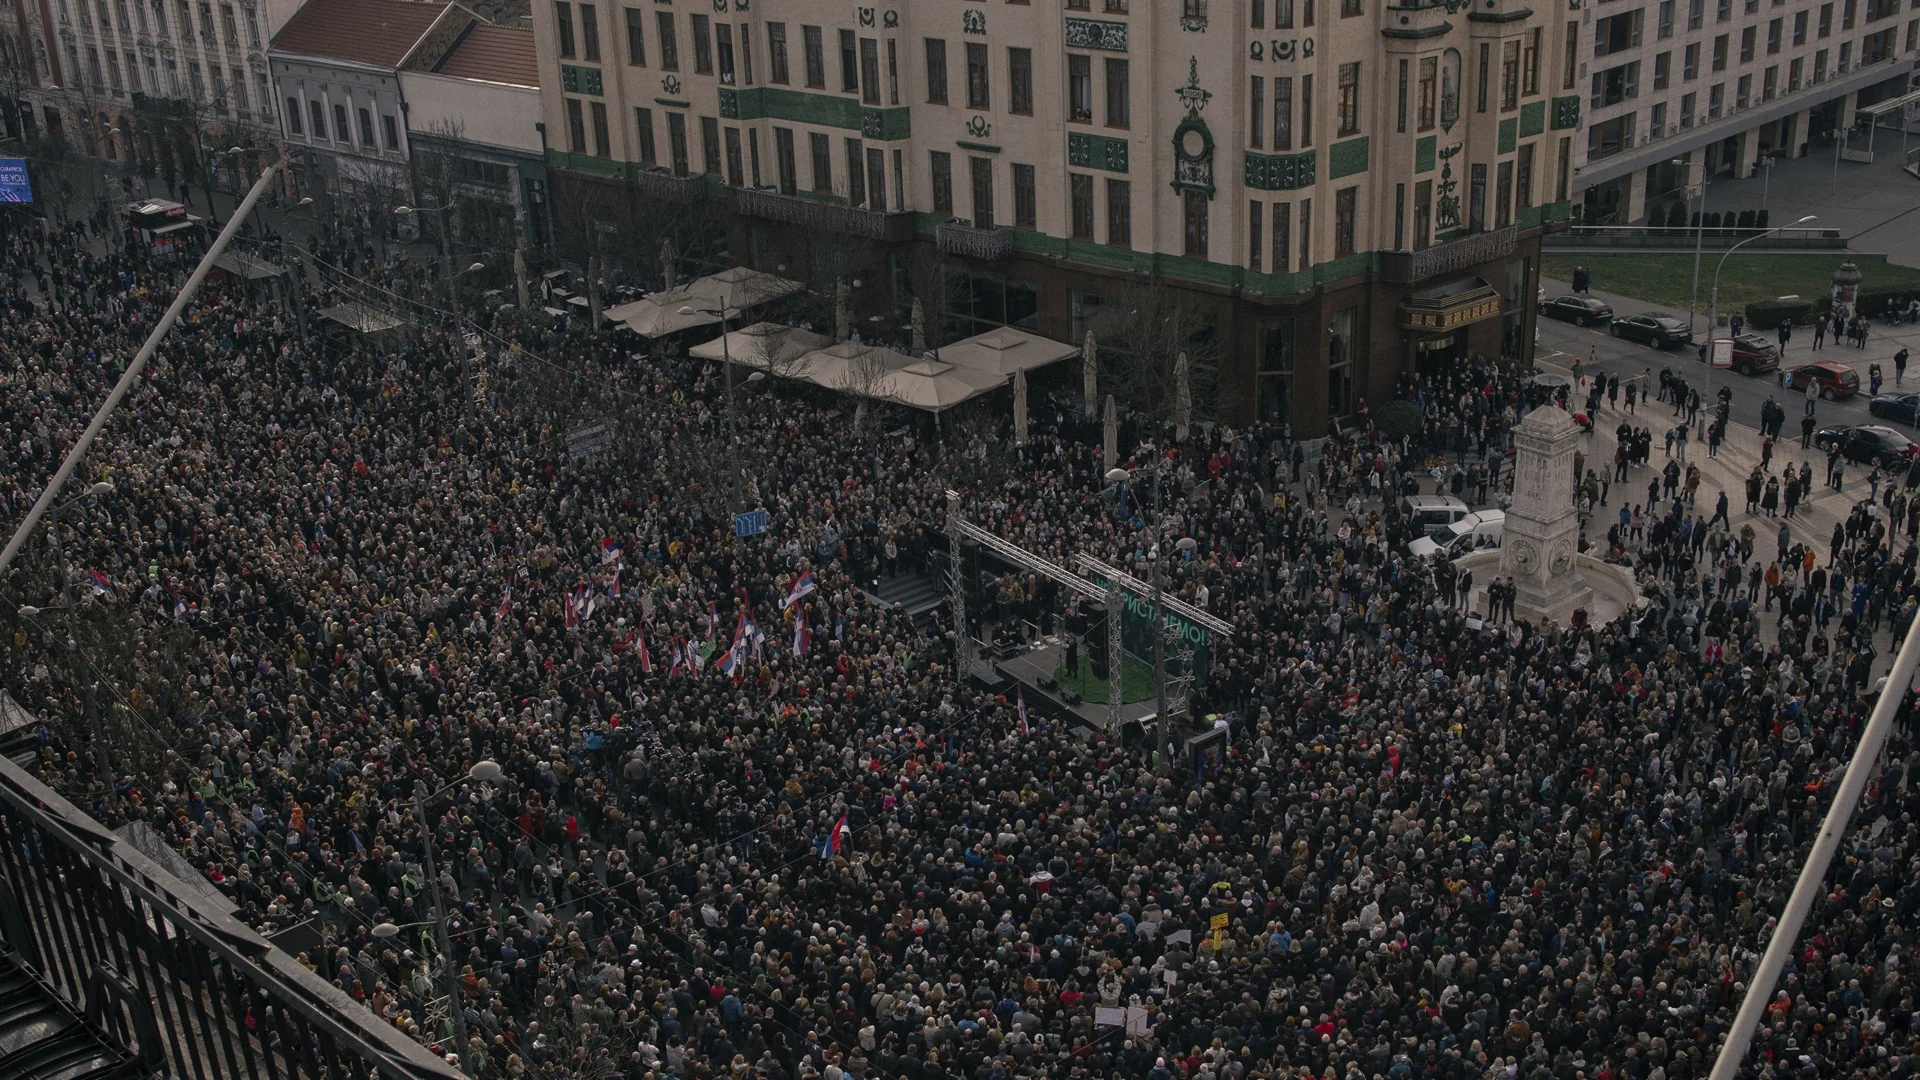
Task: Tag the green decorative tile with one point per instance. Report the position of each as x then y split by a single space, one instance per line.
1509 135
1347 158
1533 118
1423 153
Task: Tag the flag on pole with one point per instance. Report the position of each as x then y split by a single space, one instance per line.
613 587
611 551
830 843
802 634
801 587
506 604
572 604
1020 695
713 619
640 648
679 654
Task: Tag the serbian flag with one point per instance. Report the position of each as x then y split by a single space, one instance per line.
572 611
613 587
640 649
610 551
506 604
830 843
713 619
1020 696
101 583
802 634
679 653
801 587
734 662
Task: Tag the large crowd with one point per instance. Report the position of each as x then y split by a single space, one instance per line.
1440 844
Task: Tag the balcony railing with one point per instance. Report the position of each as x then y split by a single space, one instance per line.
195 992
1412 267
659 183
987 245
824 216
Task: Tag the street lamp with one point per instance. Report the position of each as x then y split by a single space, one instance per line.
446 253
69 604
1713 300
484 771
733 432
1185 544
1699 232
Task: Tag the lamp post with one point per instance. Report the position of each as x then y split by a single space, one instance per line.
733 432
1185 544
1699 230
484 771
446 254
103 759
1713 300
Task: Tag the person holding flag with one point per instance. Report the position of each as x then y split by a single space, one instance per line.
802 633
801 587
829 845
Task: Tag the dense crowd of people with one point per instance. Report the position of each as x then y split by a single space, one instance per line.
749 821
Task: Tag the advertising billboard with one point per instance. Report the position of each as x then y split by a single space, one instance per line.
15 187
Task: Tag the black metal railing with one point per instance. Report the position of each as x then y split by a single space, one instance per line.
195 993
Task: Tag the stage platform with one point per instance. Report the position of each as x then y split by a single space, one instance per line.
1030 663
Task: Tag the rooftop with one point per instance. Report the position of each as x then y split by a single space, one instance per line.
501 54
379 33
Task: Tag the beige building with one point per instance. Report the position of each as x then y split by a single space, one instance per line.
1674 85
1333 191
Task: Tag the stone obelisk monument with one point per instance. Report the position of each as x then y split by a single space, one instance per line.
1542 533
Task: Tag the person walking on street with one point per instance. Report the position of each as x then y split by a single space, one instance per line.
1720 513
1786 333
1819 332
1813 393
1755 480
1874 379
1806 429
1899 365
1770 498
1766 452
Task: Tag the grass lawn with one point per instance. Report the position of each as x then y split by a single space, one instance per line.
1667 280
1136 680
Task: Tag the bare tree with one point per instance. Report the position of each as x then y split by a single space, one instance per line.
1141 333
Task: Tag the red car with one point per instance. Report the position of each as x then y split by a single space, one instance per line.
1834 380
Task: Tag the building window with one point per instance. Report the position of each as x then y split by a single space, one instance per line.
1665 30
389 130
777 51
1344 203
1570 57
710 145
293 117
1826 19
1349 99
1510 76
1025 201
1503 196
876 180
1350 8
643 123
677 144
982 177
979 95
576 127
893 74
590 32
784 161
1020 81
563 28
1079 87
1193 11
1720 53
1081 186
1690 62
1400 100
669 44
1747 36
1119 213
1306 233
1530 64
1119 104
1255 240
1799 28
1399 217
849 63
941 169
723 45
1195 233
1774 30
821 150
702 45
870 71
1282 237
602 140
1306 111
636 37
1257 113
936 71
319 115
1429 92
341 132
734 177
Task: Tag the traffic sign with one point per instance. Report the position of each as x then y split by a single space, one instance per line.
750 523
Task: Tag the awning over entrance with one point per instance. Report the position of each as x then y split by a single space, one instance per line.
1444 308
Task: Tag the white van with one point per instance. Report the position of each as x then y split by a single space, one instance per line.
1480 529
1432 514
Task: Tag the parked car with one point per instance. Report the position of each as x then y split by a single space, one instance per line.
1480 529
1655 328
1432 514
1902 407
1752 353
1579 310
1835 380
1868 444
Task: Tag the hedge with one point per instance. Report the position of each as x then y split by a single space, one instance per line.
1767 314
1876 300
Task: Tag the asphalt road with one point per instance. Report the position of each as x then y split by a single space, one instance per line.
1560 343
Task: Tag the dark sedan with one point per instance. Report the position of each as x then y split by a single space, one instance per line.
1654 328
1902 407
1579 310
1868 444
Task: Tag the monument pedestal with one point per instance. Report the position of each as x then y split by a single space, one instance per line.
1541 542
